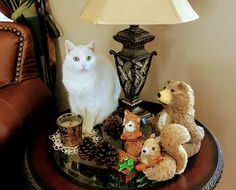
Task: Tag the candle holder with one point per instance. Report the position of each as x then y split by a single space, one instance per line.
70 129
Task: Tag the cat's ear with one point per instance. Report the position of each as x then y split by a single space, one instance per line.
91 45
69 46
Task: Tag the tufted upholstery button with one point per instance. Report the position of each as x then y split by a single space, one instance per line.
21 39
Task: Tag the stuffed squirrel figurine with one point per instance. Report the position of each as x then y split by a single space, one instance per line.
178 99
161 165
132 137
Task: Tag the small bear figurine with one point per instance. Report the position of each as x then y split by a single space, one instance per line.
161 165
178 99
132 137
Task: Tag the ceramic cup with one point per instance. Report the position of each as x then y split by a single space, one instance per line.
70 128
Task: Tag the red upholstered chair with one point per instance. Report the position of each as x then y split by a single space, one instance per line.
26 103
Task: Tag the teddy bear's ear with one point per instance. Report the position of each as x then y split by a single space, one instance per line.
181 85
169 81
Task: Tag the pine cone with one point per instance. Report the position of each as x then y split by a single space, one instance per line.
119 111
87 149
113 126
106 154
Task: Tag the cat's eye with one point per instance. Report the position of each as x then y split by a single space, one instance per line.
88 58
76 58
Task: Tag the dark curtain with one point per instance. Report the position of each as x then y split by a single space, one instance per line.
34 14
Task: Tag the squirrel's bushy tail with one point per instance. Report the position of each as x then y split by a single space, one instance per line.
172 138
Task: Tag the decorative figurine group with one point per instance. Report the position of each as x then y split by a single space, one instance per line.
161 157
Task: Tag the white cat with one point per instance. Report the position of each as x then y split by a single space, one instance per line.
92 84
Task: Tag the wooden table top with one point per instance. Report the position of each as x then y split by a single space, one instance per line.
203 170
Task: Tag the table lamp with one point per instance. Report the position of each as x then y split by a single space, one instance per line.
133 61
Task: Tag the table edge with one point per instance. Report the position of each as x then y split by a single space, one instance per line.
214 180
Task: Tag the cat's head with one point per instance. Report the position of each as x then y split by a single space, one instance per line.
80 57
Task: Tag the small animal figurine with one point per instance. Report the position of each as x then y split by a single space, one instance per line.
132 137
91 82
161 165
178 99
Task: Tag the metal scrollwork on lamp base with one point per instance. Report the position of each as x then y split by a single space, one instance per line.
133 62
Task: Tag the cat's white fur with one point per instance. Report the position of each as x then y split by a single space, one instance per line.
93 86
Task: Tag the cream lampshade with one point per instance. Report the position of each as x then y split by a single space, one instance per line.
138 12
133 61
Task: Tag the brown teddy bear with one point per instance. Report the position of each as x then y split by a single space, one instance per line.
132 137
178 100
161 165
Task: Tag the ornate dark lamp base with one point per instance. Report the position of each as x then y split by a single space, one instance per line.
133 62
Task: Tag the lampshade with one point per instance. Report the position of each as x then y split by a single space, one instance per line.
138 12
